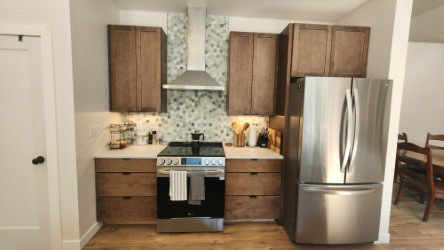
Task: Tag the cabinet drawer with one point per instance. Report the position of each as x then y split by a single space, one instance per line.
126 184
252 207
254 165
125 165
127 210
253 184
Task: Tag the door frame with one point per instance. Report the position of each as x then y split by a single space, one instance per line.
45 34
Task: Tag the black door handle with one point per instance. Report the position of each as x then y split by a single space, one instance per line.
38 160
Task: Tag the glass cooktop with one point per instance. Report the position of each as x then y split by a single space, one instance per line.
185 149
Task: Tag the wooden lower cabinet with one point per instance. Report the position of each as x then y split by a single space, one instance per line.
126 184
127 210
252 207
253 184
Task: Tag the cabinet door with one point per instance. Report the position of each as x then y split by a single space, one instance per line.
240 73
349 51
149 92
122 64
311 50
263 88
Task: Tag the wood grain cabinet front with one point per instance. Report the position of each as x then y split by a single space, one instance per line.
253 189
137 68
126 191
252 73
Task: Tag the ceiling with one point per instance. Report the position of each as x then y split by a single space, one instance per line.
310 10
422 6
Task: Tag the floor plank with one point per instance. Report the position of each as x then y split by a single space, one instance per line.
406 229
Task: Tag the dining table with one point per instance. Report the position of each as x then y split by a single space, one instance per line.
437 159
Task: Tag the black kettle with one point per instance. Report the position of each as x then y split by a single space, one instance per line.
196 136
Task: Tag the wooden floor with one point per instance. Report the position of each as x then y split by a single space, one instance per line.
406 229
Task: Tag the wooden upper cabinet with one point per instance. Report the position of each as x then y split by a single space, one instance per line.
311 50
263 87
240 73
122 68
349 51
151 96
137 68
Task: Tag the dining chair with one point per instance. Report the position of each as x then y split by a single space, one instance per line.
431 137
401 138
424 184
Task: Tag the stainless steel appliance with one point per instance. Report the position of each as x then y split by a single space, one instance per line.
179 216
337 142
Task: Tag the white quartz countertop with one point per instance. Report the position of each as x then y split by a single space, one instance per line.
151 151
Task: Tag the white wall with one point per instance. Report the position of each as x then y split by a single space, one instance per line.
390 22
89 21
422 104
56 14
242 24
429 26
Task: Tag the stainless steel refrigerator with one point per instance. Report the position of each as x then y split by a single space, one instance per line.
337 140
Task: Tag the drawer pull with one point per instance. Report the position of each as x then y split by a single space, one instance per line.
126 173
125 159
254 159
127 197
253 173
253 196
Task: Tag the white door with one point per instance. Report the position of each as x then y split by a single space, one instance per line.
24 208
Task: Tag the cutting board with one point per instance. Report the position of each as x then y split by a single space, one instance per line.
275 140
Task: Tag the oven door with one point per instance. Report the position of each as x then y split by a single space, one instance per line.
211 207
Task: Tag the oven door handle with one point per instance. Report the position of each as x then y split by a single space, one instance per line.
206 172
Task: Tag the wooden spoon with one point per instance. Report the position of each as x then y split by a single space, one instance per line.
245 127
235 126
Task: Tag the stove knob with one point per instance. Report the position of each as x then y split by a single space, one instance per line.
213 161
221 162
206 162
160 161
168 161
176 161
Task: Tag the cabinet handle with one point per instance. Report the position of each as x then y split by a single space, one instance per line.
252 196
254 159
127 197
253 173
125 159
126 173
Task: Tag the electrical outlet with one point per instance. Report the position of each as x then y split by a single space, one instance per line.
94 131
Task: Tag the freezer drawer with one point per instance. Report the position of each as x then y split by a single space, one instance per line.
338 214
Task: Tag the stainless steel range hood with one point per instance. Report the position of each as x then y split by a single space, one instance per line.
195 78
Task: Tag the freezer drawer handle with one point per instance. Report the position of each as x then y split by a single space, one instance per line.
341 191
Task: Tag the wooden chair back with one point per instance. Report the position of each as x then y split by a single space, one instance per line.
431 137
402 158
402 137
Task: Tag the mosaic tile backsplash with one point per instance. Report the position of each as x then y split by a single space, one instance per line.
189 111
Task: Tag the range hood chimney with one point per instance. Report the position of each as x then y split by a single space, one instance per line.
195 77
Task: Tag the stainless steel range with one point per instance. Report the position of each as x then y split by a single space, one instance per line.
179 216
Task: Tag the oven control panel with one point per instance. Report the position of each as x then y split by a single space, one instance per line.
191 161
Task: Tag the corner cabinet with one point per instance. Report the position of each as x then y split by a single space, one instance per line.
137 68
252 73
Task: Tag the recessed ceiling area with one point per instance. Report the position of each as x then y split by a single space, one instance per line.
422 6
310 10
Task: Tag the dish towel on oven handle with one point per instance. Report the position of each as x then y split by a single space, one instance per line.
178 185
197 187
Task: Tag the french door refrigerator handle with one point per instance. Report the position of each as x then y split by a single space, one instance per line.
346 157
357 125
340 191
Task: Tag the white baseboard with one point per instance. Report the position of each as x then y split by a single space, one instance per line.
384 238
90 233
71 245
